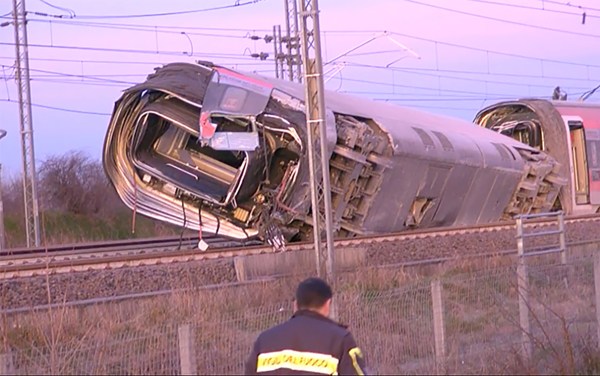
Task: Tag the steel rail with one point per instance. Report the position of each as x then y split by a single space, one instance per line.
146 252
260 280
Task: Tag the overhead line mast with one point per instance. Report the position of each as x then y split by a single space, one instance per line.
315 119
30 198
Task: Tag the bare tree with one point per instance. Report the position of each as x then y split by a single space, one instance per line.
76 184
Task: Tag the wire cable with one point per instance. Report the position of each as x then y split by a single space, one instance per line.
58 108
470 79
70 11
140 28
132 51
149 27
520 6
570 5
235 5
502 20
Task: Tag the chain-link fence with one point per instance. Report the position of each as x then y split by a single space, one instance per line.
479 320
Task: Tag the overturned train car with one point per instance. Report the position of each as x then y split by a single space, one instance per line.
569 131
205 147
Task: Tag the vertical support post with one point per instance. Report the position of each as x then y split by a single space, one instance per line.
30 198
187 355
439 331
292 40
6 364
562 238
239 263
523 292
597 290
315 116
276 43
280 55
2 233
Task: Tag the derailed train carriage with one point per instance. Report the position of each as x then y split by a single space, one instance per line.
205 147
569 131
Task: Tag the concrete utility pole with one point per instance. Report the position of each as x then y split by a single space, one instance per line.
315 117
32 217
2 234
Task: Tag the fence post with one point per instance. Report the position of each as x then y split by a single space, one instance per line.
523 292
187 355
562 239
6 364
597 288
438 325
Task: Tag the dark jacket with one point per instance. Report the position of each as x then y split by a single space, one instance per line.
306 344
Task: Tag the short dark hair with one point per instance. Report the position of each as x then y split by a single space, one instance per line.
312 293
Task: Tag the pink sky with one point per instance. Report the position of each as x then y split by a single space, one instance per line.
442 80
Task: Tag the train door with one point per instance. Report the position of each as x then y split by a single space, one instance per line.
578 156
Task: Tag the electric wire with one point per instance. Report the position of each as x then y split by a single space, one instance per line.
132 51
70 11
248 31
58 108
503 20
469 79
140 28
528 7
117 25
568 4
237 4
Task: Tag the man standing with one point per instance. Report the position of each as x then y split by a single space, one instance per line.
308 343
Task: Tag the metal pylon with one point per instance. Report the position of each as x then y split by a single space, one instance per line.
292 41
315 113
32 218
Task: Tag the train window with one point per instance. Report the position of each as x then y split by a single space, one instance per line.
528 132
425 138
580 168
446 144
593 152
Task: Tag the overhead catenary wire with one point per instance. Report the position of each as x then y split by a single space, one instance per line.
132 51
70 11
569 4
250 31
117 25
237 4
123 62
502 20
140 28
424 72
59 108
528 7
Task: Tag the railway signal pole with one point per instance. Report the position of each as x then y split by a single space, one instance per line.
2 233
30 198
315 118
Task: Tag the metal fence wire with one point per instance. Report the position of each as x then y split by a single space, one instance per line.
470 322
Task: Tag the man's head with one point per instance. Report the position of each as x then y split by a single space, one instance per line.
314 294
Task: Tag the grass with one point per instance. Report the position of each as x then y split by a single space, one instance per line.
389 312
66 228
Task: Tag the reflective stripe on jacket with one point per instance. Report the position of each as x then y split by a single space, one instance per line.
307 344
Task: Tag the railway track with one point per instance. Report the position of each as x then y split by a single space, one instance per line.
29 262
